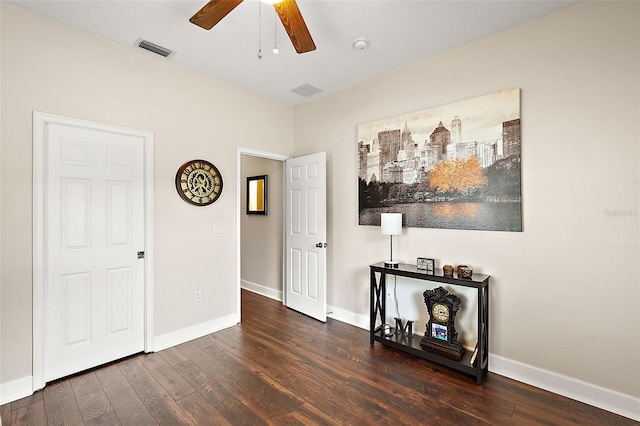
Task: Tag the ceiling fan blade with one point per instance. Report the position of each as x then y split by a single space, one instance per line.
293 22
213 12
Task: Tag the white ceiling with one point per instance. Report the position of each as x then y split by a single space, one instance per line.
399 32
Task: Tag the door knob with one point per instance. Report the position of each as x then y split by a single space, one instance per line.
319 245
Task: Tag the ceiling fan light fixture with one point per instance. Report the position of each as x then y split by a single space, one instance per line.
288 12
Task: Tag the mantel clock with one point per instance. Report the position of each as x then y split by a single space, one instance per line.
441 335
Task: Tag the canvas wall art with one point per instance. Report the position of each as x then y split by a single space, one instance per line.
456 166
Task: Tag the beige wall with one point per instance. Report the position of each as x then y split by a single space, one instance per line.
49 67
565 292
261 236
552 285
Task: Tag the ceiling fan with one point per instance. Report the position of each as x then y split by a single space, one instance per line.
288 11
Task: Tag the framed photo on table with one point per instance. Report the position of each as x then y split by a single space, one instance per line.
426 265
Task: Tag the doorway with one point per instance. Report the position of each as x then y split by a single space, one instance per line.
303 184
260 237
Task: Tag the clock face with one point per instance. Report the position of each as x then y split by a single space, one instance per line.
199 182
440 312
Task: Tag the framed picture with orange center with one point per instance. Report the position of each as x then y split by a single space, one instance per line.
257 195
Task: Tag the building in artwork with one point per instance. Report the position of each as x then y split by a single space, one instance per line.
428 158
394 157
466 150
390 142
456 130
392 173
374 166
408 145
511 137
487 153
363 152
440 138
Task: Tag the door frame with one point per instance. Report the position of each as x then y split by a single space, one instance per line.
40 122
261 154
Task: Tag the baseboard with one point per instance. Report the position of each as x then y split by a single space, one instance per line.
360 321
186 334
16 389
21 388
262 290
357 320
607 399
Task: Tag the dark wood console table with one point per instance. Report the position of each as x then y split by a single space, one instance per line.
411 344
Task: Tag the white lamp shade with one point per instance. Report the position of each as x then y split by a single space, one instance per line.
391 223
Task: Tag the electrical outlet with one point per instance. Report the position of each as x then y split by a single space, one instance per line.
197 296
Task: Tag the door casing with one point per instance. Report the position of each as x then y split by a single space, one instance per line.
40 122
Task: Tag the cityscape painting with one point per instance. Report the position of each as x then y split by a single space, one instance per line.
455 166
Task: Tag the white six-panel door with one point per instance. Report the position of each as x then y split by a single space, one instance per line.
305 234
94 224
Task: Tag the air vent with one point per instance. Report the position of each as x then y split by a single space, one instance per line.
306 90
154 48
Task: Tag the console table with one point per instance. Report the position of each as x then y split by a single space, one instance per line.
411 344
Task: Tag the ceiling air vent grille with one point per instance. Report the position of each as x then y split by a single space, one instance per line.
306 90
154 48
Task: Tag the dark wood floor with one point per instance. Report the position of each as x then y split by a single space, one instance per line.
282 368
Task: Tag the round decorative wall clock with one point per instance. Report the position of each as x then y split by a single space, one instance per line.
199 182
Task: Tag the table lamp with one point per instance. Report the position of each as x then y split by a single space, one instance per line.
391 224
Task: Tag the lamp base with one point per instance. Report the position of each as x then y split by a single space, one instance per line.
391 263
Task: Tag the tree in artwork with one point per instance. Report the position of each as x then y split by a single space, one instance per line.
463 177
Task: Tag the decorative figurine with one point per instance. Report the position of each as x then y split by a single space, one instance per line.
465 272
447 270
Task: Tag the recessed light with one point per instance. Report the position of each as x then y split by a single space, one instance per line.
360 43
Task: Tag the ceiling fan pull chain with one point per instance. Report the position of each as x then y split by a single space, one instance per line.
259 30
275 32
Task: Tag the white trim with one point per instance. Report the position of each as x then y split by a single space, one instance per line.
356 320
38 250
149 233
597 396
254 153
16 389
607 399
262 290
40 122
186 334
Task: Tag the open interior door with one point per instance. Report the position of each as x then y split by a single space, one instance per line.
305 235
